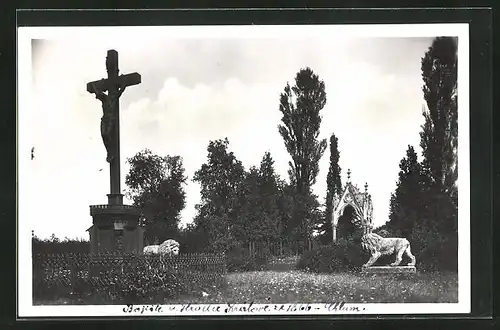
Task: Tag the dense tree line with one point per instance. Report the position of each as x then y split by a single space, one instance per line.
237 206
55 245
241 205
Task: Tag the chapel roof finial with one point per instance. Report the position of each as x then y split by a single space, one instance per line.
348 175
366 187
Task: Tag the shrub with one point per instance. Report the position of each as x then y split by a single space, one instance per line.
439 256
352 254
283 263
340 256
193 240
320 260
139 287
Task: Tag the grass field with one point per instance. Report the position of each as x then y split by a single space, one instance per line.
295 286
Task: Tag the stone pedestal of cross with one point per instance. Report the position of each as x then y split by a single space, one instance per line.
116 227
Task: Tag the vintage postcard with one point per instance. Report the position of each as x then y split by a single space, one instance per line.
243 170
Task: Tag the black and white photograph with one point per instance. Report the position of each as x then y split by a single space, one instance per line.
243 170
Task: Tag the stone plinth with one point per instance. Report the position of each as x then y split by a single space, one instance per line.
389 270
116 228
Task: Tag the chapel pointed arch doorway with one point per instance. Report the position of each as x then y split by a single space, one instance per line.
352 212
345 224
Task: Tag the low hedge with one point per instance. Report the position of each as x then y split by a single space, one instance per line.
342 255
239 260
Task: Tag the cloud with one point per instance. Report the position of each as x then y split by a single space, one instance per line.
181 121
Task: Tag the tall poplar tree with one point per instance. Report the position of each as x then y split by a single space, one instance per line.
300 105
424 207
334 188
439 136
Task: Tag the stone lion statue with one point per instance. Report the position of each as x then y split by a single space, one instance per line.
151 249
379 246
170 247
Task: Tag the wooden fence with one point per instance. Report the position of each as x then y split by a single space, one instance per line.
279 248
118 272
201 262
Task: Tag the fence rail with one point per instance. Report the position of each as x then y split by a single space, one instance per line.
72 260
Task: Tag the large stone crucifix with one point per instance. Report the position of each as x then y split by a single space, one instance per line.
114 85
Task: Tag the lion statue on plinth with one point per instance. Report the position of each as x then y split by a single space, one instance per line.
379 246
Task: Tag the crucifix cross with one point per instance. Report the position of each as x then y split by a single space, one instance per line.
114 85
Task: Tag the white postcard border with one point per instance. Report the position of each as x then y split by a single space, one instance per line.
26 214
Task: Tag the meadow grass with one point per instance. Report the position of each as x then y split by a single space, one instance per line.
296 286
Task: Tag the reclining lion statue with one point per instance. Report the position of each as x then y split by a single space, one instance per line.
170 248
379 246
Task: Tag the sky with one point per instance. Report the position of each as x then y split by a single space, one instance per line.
200 87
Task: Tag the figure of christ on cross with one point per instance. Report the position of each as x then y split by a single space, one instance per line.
109 120
110 123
